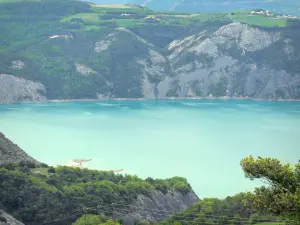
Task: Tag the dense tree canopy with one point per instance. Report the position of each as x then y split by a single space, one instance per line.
230 210
36 195
281 195
92 219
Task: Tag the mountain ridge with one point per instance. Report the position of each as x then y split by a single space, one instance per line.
11 153
129 52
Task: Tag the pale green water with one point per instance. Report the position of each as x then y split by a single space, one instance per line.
201 140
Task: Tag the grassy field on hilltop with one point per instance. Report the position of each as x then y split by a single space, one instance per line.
258 20
87 17
132 15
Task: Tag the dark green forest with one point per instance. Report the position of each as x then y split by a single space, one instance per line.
63 195
38 197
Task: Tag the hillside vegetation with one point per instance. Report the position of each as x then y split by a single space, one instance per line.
67 49
37 198
62 195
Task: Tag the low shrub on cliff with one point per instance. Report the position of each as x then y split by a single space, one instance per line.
38 197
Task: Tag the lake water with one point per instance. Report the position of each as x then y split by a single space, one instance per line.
202 140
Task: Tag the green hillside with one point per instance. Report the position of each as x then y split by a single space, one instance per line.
230 210
55 39
38 195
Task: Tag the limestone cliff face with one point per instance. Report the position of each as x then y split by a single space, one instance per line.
11 153
227 60
14 89
235 59
6 219
156 207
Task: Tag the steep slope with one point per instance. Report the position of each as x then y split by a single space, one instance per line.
46 195
235 60
156 207
123 51
244 60
69 191
6 219
15 89
11 153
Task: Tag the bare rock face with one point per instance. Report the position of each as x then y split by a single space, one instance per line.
105 43
245 37
17 64
11 153
225 62
6 219
154 71
83 69
14 89
233 60
157 207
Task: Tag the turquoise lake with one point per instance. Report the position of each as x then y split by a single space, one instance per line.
202 140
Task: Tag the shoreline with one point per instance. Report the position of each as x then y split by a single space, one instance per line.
144 99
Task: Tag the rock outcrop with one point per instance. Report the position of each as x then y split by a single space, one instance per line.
15 89
156 207
6 219
223 59
226 61
11 153
153 206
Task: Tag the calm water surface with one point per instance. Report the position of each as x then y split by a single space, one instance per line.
202 140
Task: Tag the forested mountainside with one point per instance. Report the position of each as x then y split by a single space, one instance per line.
38 194
11 153
66 49
60 195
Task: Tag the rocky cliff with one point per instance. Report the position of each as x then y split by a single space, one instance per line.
16 89
121 197
157 58
156 207
11 153
6 219
235 60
